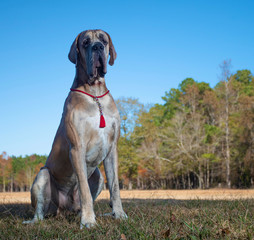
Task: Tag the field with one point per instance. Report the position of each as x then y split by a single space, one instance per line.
160 214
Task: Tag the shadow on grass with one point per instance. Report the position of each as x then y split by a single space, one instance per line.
25 211
16 210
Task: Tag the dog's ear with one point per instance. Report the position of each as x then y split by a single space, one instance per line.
74 50
112 51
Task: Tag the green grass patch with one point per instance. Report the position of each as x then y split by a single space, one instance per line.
148 219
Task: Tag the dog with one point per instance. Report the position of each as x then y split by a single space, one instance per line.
87 135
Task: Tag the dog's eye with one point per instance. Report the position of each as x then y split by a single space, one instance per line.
102 38
86 42
104 42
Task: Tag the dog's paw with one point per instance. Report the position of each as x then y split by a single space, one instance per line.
88 221
30 221
87 225
120 215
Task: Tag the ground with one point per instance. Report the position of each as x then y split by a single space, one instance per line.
211 194
160 214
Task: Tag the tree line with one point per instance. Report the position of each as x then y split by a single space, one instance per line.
201 137
18 173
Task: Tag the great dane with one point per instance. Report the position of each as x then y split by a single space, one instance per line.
87 135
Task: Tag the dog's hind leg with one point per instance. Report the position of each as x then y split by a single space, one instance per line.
40 195
96 182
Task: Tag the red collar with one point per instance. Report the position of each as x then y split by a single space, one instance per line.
90 95
102 120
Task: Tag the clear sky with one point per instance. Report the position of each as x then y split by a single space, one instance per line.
159 43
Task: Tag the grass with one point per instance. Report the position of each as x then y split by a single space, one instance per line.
148 219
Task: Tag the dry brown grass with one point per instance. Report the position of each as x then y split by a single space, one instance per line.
211 194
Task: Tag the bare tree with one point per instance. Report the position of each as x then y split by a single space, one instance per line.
226 77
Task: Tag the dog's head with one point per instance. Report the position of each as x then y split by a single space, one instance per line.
90 50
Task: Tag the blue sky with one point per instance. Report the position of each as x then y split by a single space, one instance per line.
159 43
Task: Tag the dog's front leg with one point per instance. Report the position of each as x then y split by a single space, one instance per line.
111 170
77 155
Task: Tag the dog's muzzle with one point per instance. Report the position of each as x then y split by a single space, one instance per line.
98 62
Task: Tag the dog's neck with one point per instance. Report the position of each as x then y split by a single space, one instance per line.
97 88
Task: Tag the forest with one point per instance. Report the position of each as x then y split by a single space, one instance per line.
200 137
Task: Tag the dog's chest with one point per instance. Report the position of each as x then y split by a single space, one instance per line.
96 141
100 143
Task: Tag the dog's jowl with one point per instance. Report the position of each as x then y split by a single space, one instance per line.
87 135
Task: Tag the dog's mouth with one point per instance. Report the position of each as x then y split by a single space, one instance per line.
99 68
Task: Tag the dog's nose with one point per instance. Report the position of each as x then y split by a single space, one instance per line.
97 46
